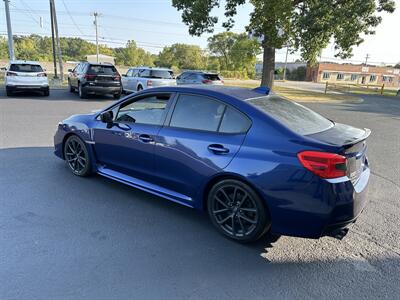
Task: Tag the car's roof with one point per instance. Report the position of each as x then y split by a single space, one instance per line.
235 92
151 68
200 72
25 62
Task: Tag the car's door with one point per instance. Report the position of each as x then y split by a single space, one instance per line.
128 145
200 138
74 74
126 80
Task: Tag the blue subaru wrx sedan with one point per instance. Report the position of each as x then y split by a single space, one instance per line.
256 162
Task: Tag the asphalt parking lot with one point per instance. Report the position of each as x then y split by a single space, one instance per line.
64 237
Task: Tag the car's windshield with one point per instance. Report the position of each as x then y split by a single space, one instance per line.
296 117
162 74
100 69
28 68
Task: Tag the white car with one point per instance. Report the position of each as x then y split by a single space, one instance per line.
24 75
141 78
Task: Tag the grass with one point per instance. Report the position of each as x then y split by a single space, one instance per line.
299 95
363 90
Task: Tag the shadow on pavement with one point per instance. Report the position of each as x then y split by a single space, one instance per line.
68 237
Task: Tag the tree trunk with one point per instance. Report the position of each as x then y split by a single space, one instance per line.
268 72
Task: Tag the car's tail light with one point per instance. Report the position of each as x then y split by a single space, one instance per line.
149 83
11 74
206 81
117 77
89 76
42 75
222 81
323 164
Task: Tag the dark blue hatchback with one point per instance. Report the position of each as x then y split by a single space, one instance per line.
257 163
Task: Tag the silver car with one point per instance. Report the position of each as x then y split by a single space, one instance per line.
199 77
24 75
141 78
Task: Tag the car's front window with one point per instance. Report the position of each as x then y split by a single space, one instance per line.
149 110
27 68
296 117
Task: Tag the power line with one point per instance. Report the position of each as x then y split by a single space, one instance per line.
72 19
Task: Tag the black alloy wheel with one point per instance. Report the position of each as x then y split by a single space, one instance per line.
237 211
77 157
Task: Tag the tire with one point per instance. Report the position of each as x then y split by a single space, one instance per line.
77 156
139 88
46 92
237 211
9 92
71 88
81 93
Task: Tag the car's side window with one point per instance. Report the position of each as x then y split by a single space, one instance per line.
129 73
234 121
149 110
145 73
135 72
197 112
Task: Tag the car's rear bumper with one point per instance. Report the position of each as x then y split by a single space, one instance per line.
25 87
97 89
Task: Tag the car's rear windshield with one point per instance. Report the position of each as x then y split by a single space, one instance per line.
162 74
100 69
212 77
28 68
296 117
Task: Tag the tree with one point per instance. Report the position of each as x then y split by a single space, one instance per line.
236 52
182 56
132 55
307 26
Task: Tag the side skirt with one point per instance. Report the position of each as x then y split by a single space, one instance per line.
146 186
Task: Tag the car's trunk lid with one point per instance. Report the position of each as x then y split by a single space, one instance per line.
352 144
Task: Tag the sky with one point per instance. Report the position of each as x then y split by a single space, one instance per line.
154 24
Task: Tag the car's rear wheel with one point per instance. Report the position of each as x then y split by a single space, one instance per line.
46 92
139 88
81 93
77 156
237 211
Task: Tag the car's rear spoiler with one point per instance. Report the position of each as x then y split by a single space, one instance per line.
367 133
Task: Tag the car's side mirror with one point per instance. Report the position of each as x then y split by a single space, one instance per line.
107 117
178 78
4 69
70 70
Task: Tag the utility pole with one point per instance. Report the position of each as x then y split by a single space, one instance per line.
96 14
366 59
58 46
53 40
284 69
9 31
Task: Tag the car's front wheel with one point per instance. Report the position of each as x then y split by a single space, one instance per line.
81 92
77 156
9 92
237 211
46 92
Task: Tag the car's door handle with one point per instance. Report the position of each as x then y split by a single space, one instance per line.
123 126
218 149
145 138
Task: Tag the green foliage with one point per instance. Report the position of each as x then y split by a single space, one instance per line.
298 74
234 52
182 56
132 55
306 25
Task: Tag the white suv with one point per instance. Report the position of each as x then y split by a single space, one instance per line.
141 78
24 75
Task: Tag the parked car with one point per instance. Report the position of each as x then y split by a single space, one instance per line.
199 77
142 78
95 78
24 75
255 162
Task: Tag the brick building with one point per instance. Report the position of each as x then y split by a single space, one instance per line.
354 74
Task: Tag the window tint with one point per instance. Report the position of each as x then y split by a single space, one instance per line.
234 122
295 116
149 110
26 68
212 77
102 69
196 112
162 74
